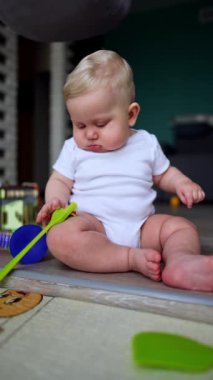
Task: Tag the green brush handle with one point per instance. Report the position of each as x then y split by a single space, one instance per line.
58 216
8 267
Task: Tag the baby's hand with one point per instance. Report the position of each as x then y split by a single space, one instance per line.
44 214
190 192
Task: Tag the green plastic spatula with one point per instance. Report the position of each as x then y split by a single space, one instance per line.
58 216
170 351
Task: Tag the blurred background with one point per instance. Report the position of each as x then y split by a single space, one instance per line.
170 47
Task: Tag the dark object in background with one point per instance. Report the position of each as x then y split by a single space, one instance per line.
193 134
193 127
62 20
194 149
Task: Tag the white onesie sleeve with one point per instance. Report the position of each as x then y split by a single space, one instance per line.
160 162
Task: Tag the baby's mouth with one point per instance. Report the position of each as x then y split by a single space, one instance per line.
95 148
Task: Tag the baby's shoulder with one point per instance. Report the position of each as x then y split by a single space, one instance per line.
145 137
70 144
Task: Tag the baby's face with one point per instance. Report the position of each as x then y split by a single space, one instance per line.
101 123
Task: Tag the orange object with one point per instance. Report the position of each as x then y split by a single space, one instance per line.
174 201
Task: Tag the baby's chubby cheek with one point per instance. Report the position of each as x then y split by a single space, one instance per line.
118 142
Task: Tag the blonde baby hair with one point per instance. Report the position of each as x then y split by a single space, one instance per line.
101 69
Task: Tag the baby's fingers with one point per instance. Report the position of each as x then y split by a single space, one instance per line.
186 198
43 215
51 206
198 195
195 196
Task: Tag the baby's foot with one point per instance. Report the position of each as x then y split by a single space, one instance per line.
193 272
146 261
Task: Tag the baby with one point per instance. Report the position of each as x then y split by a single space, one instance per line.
109 168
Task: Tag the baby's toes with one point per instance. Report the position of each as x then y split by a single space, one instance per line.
154 271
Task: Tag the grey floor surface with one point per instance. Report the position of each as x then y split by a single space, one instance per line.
83 327
70 339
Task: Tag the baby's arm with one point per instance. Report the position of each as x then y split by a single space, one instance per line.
174 181
57 194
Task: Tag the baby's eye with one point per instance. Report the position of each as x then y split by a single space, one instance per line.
80 126
102 124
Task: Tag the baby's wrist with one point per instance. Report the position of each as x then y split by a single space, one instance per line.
182 183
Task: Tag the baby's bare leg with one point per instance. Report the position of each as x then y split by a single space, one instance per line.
178 240
185 267
81 243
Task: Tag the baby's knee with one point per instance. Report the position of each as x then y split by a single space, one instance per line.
182 221
59 241
177 223
54 240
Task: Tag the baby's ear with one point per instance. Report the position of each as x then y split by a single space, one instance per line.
133 113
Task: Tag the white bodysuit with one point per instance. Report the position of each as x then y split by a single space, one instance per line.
115 186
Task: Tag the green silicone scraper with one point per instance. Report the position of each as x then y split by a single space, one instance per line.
171 351
58 216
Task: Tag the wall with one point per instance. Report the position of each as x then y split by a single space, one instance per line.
8 97
171 53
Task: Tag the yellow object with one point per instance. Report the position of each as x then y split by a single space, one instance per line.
174 201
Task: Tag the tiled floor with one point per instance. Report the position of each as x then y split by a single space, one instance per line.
69 339
82 329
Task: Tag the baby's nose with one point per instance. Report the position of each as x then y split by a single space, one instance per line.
92 133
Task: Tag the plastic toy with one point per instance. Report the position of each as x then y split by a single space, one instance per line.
58 216
171 351
23 236
16 302
18 205
174 202
16 241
